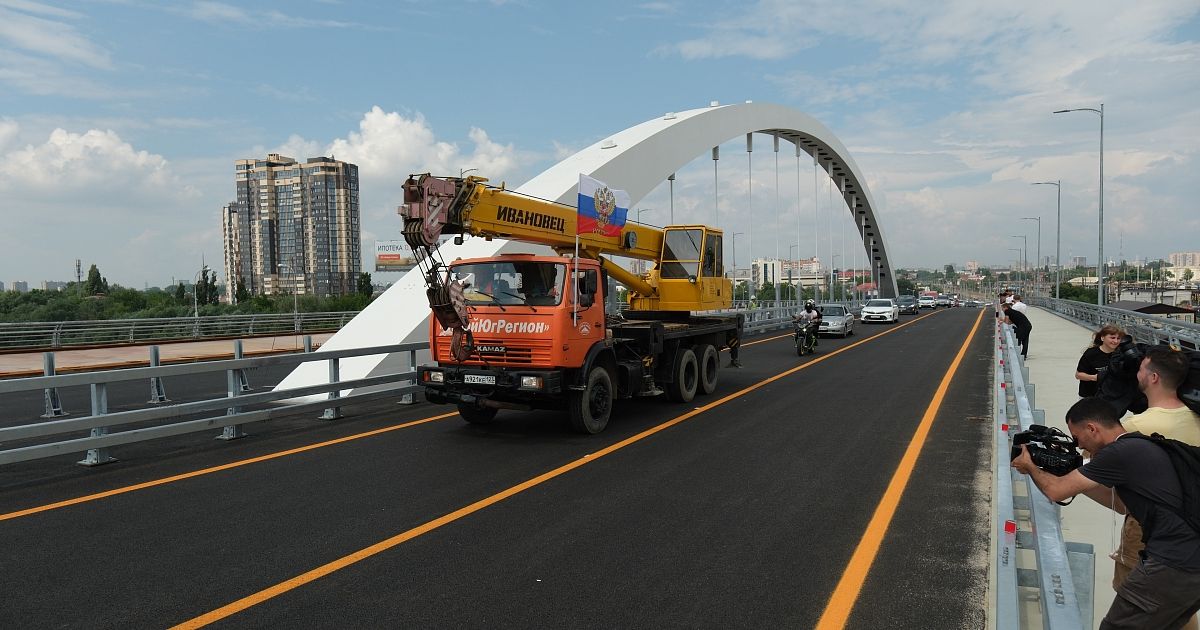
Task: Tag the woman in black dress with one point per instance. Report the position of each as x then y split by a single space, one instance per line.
1095 359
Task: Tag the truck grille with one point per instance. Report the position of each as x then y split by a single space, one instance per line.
517 352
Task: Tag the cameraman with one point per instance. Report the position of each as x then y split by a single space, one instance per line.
1163 590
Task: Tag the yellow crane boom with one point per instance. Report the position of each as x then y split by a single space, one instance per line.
688 273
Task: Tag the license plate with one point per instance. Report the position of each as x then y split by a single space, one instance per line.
481 379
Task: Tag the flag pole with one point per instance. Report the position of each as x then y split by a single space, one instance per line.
575 283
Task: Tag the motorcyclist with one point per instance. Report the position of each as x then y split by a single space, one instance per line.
809 314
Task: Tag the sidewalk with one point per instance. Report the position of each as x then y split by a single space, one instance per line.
1055 346
28 364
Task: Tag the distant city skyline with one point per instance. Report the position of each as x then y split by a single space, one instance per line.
119 119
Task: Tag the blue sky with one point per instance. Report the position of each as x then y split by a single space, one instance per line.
120 120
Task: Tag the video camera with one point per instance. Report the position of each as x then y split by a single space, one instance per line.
1051 450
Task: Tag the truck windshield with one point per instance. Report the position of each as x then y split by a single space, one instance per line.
512 282
681 253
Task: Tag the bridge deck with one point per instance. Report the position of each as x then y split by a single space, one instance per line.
767 504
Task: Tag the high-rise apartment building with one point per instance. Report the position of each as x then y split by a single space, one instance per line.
1184 259
294 228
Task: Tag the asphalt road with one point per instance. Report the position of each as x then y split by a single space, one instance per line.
745 510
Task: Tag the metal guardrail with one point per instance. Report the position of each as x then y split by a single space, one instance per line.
58 335
1063 574
28 442
1145 328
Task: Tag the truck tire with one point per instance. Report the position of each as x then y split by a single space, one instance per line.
710 368
686 371
477 415
591 408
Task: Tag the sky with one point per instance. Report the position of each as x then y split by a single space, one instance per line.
120 120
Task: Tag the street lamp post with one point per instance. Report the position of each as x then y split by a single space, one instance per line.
1057 234
1037 262
640 211
1100 267
464 171
1019 253
286 269
1024 254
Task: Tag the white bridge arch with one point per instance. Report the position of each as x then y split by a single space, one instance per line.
636 160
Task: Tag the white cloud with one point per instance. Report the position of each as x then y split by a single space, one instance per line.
54 39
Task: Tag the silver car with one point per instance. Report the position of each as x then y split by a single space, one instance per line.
836 319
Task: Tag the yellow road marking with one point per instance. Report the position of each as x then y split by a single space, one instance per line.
207 471
362 554
837 611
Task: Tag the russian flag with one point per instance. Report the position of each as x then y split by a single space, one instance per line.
602 210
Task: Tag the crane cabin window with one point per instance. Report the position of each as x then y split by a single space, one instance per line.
681 254
511 283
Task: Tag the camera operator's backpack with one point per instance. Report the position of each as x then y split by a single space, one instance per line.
1185 459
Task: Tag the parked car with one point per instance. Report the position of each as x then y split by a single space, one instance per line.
881 310
927 301
907 304
836 319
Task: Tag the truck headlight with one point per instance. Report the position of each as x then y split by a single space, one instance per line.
435 377
531 382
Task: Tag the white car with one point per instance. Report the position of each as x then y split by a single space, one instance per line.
880 310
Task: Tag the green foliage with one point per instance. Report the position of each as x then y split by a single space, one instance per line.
741 291
906 287
364 284
117 302
950 275
241 294
95 284
1079 294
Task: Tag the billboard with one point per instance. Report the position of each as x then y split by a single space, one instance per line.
393 256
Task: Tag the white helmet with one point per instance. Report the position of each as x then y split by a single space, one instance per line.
809 304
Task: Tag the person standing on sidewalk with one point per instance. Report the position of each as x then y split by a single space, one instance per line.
1159 377
1021 324
1095 359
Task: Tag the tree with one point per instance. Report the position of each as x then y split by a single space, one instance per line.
905 286
364 284
241 293
1187 275
741 291
766 293
96 284
950 275
181 293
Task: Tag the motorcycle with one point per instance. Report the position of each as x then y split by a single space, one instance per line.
805 337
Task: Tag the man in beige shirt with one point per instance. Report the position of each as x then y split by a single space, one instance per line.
1159 377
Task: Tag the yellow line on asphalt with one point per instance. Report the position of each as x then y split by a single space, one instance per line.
837 611
207 471
362 554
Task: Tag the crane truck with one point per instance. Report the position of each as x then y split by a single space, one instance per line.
525 331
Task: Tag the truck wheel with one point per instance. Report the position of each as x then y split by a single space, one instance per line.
477 415
710 368
591 408
686 371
